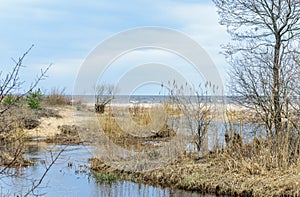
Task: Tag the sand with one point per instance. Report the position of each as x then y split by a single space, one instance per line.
49 126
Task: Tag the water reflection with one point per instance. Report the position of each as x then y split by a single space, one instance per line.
128 189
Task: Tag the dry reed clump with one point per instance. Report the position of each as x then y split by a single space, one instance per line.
118 145
279 152
140 114
172 110
242 116
111 124
57 97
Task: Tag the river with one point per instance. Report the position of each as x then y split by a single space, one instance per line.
70 176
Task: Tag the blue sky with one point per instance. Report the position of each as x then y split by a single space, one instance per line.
65 32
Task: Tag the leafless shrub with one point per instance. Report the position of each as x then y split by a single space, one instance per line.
103 95
11 82
57 96
198 109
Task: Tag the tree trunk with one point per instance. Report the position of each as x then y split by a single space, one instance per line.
276 88
99 108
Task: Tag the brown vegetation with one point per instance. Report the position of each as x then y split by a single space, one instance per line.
57 97
69 134
262 166
13 132
140 116
239 170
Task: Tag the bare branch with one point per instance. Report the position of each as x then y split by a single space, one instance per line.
104 95
39 182
12 81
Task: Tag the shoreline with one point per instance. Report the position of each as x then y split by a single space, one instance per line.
212 176
218 173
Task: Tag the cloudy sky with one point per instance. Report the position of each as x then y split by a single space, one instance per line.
66 32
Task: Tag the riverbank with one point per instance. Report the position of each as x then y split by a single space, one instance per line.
215 174
258 167
246 170
70 176
49 126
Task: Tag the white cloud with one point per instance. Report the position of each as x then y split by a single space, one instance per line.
65 32
61 74
200 22
136 58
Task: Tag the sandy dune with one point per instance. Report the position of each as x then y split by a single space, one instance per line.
49 126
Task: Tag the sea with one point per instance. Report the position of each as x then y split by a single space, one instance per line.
153 99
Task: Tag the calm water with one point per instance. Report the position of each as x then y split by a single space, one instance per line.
152 99
63 180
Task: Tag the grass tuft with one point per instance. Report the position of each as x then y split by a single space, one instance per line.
57 97
105 177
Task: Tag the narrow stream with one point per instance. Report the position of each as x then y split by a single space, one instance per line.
70 176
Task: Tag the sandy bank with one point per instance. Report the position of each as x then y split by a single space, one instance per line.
49 125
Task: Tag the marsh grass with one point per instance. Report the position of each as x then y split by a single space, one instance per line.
131 128
105 177
262 152
242 166
219 174
126 139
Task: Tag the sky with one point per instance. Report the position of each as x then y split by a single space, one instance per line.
65 33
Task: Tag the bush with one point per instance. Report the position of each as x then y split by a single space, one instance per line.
57 97
34 99
9 100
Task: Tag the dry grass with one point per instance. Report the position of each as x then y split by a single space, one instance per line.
219 173
260 167
18 125
57 97
235 115
12 137
128 130
69 134
133 139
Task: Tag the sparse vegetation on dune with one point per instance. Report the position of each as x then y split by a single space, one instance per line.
16 114
16 123
21 113
57 97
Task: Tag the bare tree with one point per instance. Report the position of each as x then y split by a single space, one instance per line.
103 96
264 36
195 103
